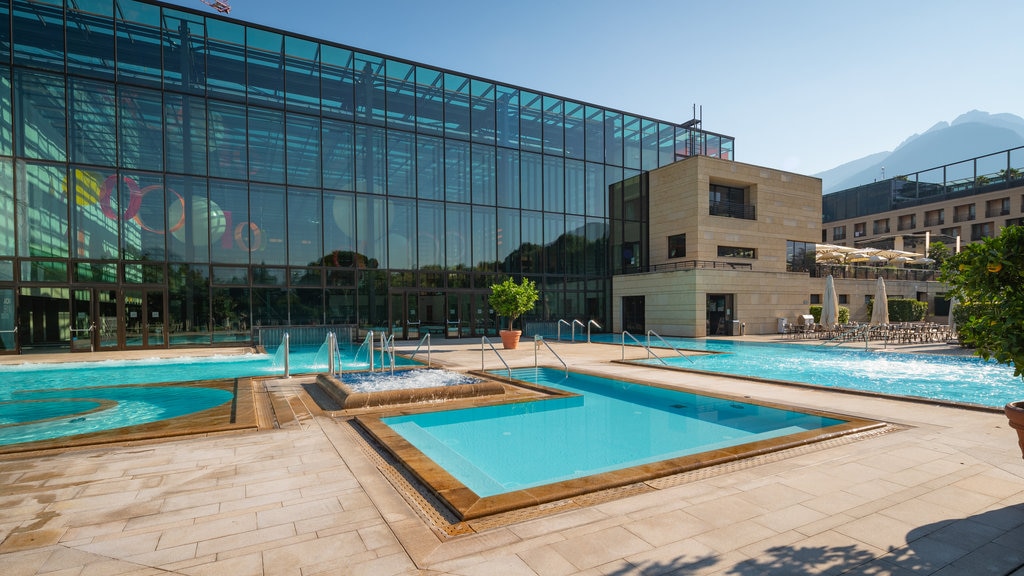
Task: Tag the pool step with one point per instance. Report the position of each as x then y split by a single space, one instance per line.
280 404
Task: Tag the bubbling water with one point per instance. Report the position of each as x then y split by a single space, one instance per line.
404 380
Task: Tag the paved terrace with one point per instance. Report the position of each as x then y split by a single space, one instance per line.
943 495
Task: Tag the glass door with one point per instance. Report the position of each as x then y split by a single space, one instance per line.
156 326
8 325
145 325
134 319
405 318
82 326
107 319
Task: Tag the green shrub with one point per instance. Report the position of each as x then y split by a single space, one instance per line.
903 310
815 310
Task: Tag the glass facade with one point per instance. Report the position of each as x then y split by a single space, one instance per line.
171 177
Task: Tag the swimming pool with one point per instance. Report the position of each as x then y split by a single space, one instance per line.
46 401
596 431
961 379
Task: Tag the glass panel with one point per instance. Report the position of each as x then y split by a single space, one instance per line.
339 155
140 133
266 276
266 145
225 61
554 130
532 181
305 215
306 306
430 168
39 120
575 245
188 306
575 187
594 126
5 36
508 178
6 208
228 152
532 242
457 171
140 205
270 307
507 112
457 237
531 121
190 220
666 144
303 153
144 273
597 248
402 234
264 64
94 272
90 38
8 339
339 228
401 164
185 59
230 309
138 43
185 135
648 145
43 212
485 236
94 216
992 167
91 113
340 306
82 324
302 75
230 275
44 271
107 320
456 106
429 101
337 82
597 192
370 95
34 42
231 233
575 142
431 235
370 159
401 95
483 173
483 111
372 232
631 142
554 184
613 138
554 243
6 121
268 230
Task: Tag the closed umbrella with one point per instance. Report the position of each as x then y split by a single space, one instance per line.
830 306
880 309
952 320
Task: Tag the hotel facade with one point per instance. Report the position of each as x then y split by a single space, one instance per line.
173 177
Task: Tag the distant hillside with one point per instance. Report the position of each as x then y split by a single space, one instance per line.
973 134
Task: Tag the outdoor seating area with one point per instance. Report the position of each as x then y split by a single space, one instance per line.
898 333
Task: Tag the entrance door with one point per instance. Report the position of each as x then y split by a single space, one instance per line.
405 316
107 334
8 325
83 324
720 315
144 322
633 318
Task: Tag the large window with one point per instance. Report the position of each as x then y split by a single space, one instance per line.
677 246
736 252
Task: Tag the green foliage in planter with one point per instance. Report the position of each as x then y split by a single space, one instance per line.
512 300
990 275
903 310
815 310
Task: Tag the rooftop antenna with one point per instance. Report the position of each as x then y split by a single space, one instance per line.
692 125
221 6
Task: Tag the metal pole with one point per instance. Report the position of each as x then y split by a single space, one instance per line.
330 352
285 344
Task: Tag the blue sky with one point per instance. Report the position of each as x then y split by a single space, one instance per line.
802 85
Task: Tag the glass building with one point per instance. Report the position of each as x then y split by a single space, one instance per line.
173 177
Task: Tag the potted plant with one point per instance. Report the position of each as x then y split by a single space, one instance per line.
987 276
512 300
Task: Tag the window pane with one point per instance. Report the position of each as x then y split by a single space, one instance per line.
532 242
303 153
6 207
594 127
94 218
268 232
185 135
339 227
457 237
90 38
189 219
5 36
483 111
43 212
370 92
264 64
226 60
185 54
631 142
372 231
597 192
575 142
370 159
554 131
302 74
430 168
508 178
575 187
401 164
484 179
305 215
532 181
6 121
34 43
402 234
429 101
140 205
39 119
613 138
231 201
266 145
508 241
457 171
140 129
649 145
138 43
554 184
338 140
90 117
337 81
485 237
401 95
431 235
227 142
456 106
507 112
531 122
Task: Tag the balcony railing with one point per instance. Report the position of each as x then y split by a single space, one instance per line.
993 212
687 265
733 210
871 272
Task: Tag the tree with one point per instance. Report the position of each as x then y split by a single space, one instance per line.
939 252
988 274
512 300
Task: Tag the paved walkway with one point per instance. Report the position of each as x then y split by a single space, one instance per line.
944 495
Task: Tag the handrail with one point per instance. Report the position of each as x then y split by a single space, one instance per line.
387 345
574 323
558 332
649 352
850 334
92 345
484 340
677 351
592 322
537 341
426 338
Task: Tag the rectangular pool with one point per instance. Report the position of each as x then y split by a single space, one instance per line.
592 432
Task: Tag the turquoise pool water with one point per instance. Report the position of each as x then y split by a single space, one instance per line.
612 425
43 401
964 379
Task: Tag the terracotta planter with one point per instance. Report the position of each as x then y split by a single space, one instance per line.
510 338
1015 413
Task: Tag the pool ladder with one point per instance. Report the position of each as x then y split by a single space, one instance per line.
646 346
537 341
484 342
666 343
425 339
572 327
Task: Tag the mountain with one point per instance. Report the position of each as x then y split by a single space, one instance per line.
973 134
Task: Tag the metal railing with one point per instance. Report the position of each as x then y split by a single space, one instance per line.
483 350
732 209
89 330
589 324
16 346
648 348
426 338
558 331
666 343
537 341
